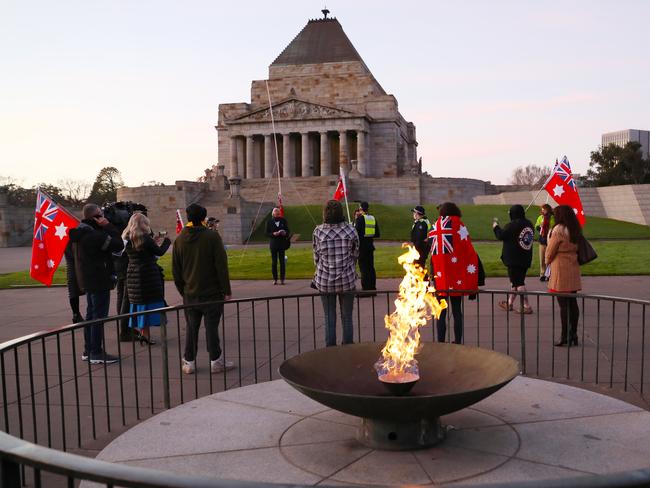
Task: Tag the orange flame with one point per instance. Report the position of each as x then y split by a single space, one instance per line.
414 306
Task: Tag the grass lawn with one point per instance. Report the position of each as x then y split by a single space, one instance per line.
623 257
395 222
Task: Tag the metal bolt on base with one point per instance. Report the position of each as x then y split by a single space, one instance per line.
401 436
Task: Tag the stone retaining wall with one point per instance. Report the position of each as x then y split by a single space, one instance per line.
629 203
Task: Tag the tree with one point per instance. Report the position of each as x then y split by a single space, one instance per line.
531 175
75 191
104 190
616 165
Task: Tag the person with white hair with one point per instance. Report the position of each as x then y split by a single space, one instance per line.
277 230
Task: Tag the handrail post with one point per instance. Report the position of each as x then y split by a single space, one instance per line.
9 474
522 322
165 365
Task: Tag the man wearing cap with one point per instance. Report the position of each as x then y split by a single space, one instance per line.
419 234
367 228
200 269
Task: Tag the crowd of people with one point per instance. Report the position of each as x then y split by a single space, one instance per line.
100 257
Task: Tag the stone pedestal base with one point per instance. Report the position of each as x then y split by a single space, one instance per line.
392 436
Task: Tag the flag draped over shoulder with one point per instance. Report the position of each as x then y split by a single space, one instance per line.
563 189
52 224
454 261
179 222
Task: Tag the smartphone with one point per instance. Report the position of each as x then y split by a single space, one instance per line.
162 233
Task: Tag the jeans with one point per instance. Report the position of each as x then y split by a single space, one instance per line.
346 303
212 316
277 255
98 302
456 304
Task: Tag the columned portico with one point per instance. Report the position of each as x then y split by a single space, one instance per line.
343 149
307 168
250 158
287 157
241 166
325 165
361 153
269 155
233 157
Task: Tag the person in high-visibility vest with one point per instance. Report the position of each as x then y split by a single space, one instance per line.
420 235
367 228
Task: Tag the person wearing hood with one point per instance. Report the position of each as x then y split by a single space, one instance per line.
200 269
517 253
94 241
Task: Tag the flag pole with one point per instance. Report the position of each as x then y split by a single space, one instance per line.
345 192
542 188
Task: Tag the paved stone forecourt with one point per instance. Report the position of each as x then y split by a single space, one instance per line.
529 430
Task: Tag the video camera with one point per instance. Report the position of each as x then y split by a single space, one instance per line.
119 213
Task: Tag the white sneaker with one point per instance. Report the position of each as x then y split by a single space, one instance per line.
220 365
189 366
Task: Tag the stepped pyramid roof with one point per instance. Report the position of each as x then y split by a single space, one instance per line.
320 41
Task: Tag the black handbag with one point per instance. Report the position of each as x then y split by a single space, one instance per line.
586 252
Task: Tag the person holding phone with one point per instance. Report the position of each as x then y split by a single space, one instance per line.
144 277
277 230
94 241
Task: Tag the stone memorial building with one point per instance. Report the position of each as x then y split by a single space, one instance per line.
320 112
329 111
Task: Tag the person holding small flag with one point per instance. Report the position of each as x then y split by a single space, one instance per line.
455 266
420 235
543 225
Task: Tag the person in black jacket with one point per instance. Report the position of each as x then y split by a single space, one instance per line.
517 253
420 235
367 229
277 230
94 240
144 277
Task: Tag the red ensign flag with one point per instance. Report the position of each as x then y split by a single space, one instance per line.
339 193
52 226
453 259
562 188
179 222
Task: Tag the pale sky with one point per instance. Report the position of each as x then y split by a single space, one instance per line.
490 85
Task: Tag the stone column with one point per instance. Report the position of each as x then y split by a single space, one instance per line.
269 154
325 166
287 160
241 164
250 158
343 149
306 156
233 157
361 153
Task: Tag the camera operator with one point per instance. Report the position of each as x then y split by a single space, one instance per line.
118 214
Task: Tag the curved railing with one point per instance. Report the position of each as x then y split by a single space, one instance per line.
50 397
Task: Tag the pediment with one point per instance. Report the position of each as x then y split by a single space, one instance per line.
294 109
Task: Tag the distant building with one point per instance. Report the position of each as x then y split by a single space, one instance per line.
622 137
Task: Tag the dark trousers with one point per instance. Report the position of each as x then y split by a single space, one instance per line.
123 306
456 304
569 315
367 269
98 303
278 255
211 315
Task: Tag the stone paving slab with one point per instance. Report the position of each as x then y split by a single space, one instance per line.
496 440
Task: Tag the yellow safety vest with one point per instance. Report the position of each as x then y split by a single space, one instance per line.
422 220
370 226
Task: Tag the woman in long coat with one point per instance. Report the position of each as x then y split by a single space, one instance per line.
144 277
562 255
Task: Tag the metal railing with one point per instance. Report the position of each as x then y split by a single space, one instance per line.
53 398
